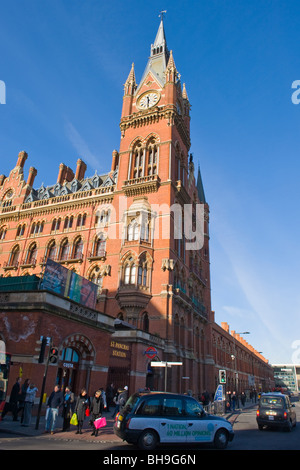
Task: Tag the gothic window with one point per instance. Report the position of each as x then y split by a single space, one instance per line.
152 159
100 246
96 277
129 271
145 322
64 250
55 225
68 222
78 249
31 254
14 256
138 161
20 230
3 231
51 250
81 219
133 230
142 272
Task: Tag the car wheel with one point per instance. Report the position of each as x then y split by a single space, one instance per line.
148 440
221 439
260 427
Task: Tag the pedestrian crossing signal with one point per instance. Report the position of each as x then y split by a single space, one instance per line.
222 376
53 355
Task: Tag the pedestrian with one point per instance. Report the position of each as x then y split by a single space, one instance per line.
116 402
243 398
110 396
55 402
82 403
22 398
68 408
28 404
233 400
123 397
13 400
97 407
103 395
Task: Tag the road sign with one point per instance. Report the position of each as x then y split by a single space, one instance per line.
219 395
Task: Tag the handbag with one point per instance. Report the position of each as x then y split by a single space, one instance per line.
99 423
87 412
74 420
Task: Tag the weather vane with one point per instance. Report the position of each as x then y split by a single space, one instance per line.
162 14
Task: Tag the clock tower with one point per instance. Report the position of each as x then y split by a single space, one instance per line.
163 286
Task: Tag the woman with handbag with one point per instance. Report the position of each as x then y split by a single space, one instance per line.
68 407
97 407
82 403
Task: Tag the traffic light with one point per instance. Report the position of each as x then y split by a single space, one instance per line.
42 350
53 355
222 376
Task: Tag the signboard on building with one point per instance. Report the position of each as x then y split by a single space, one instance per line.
65 282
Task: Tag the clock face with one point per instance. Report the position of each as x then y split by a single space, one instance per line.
148 100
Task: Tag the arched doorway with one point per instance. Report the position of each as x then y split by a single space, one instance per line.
76 357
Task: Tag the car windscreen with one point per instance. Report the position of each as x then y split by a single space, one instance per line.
274 402
131 402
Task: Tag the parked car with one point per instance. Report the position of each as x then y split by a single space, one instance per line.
275 410
149 419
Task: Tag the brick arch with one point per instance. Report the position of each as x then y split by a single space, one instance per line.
81 344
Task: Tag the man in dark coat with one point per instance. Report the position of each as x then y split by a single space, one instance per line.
13 400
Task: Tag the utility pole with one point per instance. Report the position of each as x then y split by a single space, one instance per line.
43 387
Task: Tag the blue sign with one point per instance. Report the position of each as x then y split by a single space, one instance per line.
219 395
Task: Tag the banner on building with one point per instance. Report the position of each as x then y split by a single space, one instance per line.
64 282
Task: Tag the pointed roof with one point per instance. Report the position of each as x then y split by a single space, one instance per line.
200 188
159 56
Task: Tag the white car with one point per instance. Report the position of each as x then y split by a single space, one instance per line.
149 419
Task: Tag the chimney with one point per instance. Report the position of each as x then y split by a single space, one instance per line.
31 176
69 174
22 157
115 160
61 173
80 170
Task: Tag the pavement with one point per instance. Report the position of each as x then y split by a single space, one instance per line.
105 435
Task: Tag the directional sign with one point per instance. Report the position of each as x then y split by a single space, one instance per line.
219 395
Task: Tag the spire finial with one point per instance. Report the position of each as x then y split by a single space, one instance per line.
161 14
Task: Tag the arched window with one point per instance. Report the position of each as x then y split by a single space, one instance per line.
100 246
3 231
31 254
133 230
138 161
78 249
51 251
14 256
145 322
152 158
64 250
96 277
129 271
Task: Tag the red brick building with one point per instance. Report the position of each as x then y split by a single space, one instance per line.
128 231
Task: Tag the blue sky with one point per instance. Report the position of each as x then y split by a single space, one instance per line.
64 63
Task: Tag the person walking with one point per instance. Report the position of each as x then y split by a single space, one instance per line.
13 400
28 404
22 398
97 407
82 403
55 402
68 408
